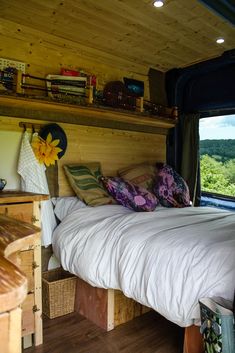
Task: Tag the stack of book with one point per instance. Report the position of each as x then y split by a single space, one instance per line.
70 85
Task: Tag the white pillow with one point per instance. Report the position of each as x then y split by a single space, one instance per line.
65 205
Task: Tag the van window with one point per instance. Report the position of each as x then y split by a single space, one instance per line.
217 156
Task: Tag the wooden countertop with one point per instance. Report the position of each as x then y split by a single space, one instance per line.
20 196
14 235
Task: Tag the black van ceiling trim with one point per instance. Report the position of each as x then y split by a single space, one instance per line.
181 82
224 8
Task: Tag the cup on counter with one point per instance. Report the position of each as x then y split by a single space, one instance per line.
3 183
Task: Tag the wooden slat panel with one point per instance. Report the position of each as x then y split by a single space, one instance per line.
126 309
114 149
15 331
26 266
10 332
107 308
92 303
46 53
129 31
4 332
28 315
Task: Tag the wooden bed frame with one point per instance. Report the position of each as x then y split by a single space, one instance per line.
114 149
107 308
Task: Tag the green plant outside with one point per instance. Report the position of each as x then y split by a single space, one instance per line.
217 176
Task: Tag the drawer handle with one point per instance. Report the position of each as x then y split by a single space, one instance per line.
34 265
35 308
34 219
6 211
31 292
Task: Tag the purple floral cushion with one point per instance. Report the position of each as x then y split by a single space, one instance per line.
132 196
170 188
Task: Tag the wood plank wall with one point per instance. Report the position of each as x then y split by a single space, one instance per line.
127 32
46 54
114 149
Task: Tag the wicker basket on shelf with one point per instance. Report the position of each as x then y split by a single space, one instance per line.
58 292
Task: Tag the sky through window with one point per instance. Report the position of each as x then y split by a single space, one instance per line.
217 127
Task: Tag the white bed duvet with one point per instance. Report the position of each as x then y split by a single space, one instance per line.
166 259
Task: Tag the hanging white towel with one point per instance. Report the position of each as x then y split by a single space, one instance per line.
33 179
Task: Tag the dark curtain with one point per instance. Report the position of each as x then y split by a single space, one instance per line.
190 160
183 153
205 86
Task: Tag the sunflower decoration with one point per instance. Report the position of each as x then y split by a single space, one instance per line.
46 151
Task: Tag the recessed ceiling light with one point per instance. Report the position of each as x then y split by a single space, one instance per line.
220 40
158 3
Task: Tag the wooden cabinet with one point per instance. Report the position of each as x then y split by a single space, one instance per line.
26 207
14 236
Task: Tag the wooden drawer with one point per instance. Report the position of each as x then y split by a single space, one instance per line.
26 265
21 211
28 315
24 206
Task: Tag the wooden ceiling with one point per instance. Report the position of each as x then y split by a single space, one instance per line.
180 33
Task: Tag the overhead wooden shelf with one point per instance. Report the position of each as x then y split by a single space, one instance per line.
26 108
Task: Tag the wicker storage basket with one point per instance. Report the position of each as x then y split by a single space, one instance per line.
58 292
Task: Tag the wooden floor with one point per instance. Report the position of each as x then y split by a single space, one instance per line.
72 333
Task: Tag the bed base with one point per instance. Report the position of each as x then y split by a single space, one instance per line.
108 308
193 342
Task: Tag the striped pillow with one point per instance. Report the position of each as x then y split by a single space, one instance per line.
84 180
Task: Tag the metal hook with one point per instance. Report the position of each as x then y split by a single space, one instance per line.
24 127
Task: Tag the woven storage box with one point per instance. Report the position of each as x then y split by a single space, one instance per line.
58 292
